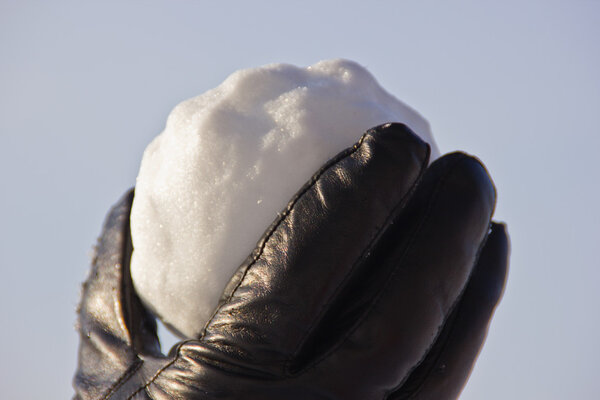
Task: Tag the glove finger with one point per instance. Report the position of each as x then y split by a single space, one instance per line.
421 266
113 326
445 370
279 294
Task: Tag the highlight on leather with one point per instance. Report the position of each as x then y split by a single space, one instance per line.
378 281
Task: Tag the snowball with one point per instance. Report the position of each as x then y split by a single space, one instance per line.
228 161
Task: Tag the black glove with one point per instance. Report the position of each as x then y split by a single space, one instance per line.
378 281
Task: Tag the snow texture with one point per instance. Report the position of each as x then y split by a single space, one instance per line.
228 161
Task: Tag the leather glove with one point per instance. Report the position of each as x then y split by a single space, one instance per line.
378 281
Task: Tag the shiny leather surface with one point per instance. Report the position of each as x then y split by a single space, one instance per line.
378 281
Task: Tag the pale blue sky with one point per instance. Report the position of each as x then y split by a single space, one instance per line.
84 86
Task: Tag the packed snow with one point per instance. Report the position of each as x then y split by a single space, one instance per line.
228 161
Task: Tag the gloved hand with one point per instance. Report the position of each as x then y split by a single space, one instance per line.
377 281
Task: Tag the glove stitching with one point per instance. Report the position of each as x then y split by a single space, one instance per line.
348 152
392 214
345 154
160 371
126 375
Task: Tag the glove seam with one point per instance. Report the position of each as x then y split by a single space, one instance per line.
126 375
392 214
160 370
345 154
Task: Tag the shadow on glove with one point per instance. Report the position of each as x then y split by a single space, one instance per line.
378 281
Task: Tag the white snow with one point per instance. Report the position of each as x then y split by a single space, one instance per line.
228 161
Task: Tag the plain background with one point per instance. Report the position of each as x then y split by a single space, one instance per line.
85 86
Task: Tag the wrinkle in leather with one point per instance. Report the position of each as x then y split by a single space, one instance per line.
363 288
